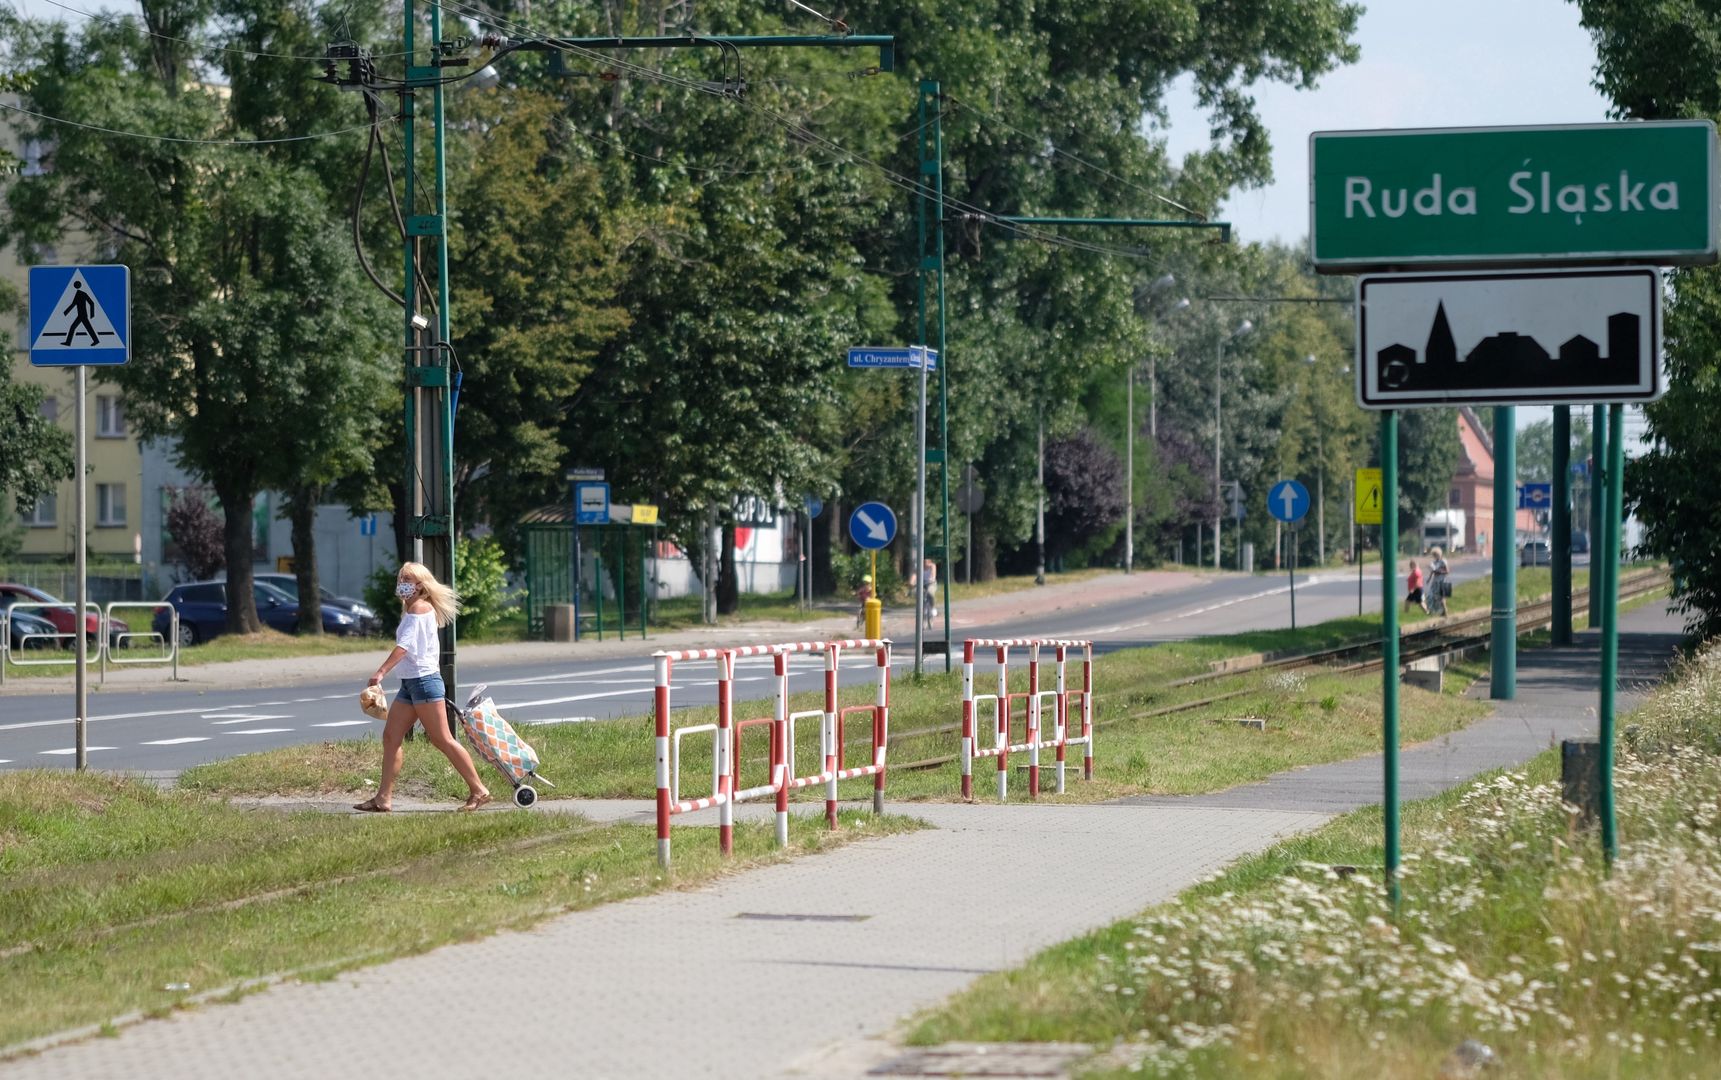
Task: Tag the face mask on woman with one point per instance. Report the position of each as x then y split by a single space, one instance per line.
404 589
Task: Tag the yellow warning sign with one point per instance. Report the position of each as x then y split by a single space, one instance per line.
1368 496
644 514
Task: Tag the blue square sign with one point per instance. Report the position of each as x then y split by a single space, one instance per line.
80 315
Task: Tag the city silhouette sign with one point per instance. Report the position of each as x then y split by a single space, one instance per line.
1544 337
1640 192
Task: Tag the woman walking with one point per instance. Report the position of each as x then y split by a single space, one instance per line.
1438 575
1414 585
425 605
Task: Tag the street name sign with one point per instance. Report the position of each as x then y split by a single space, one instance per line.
1288 501
1641 192
1368 497
591 503
80 315
1535 496
1506 338
893 356
872 525
583 473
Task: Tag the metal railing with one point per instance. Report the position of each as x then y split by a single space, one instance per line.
105 644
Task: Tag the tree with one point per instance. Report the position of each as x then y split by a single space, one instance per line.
1428 450
1084 494
1657 61
197 532
38 453
245 293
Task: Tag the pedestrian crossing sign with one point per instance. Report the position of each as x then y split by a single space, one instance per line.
1368 497
80 315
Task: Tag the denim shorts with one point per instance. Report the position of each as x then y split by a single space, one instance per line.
422 690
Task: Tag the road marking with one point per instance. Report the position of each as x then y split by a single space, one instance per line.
561 720
342 723
5 761
177 742
260 731
243 718
634 691
72 750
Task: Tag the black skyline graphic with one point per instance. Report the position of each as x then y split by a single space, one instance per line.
1512 361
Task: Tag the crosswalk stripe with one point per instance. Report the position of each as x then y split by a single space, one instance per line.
69 751
177 742
261 731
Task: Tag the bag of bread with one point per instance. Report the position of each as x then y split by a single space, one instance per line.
374 702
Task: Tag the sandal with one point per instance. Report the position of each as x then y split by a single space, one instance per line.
473 802
371 806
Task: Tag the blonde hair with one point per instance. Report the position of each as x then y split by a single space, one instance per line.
1436 553
443 600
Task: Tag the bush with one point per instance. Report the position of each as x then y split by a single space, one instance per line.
849 569
199 533
480 577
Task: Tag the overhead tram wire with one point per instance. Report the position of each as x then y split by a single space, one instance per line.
984 117
908 184
179 139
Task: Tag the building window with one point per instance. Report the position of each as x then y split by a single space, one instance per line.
36 159
110 417
41 516
110 504
50 409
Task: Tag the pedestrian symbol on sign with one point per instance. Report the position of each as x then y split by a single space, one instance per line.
77 313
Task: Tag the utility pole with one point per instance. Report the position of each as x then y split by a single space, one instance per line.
930 207
1129 472
1040 506
1218 484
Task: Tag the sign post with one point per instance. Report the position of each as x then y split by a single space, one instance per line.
80 316
1288 501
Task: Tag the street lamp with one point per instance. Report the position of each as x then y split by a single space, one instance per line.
1243 328
1163 282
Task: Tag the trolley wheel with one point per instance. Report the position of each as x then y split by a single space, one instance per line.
525 795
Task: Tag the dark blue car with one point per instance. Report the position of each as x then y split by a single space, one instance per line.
202 607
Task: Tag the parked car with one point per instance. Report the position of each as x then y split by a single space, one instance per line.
202 607
1580 543
61 615
20 625
368 623
1535 553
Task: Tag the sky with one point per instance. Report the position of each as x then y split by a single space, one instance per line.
1456 63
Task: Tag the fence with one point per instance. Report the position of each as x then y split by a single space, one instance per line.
110 640
1032 702
726 735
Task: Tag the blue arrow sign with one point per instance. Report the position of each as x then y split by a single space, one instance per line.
893 356
872 525
815 506
1535 496
80 315
1288 500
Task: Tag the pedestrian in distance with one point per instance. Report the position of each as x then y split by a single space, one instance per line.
1414 586
1439 582
425 604
862 595
927 581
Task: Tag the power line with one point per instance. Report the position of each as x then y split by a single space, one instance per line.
178 139
1198 215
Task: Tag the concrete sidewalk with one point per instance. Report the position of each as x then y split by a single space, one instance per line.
797 969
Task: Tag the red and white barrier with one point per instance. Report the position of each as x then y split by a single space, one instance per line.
1033 707
727 734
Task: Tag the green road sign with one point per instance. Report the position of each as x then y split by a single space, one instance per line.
1469 197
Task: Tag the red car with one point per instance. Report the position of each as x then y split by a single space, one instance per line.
61 616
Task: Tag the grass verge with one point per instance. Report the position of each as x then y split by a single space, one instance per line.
114 895
1512 932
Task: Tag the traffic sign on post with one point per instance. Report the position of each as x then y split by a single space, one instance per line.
591 503
1368 496
872 525
1535 496
1288 500
893 356
367 525
1544 336
1564 194
80 315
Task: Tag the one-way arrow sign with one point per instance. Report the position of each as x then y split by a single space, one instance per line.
1288 501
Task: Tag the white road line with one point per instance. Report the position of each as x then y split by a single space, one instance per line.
72 750
260 731
240 717
564 700
342 723
177 742
5 761
561 720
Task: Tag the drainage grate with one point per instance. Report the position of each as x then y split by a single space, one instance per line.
771 916
1046 1060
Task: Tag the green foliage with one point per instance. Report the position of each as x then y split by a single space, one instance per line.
887 586
481 579
1657 61
379 594
38 453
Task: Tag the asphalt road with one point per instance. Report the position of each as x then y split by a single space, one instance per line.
172 729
